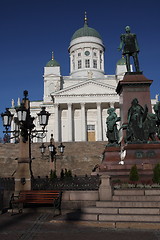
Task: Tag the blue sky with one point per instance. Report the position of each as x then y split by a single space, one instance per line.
32 29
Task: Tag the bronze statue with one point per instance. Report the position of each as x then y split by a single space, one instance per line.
136 117
130 48
142 126
112 131
157 112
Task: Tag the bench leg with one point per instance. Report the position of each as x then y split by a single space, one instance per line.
18 206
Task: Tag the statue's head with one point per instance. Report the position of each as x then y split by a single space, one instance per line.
127 28
110 110
135 101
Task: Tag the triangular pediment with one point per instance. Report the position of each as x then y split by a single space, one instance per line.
89 87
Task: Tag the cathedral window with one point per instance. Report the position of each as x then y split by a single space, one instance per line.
94 63
79 54
100 59
90 127
79 64
87 63
95 54
73 62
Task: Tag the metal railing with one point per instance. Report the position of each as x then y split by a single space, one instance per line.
68 183
72 183
7 184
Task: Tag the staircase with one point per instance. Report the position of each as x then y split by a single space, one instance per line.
128 209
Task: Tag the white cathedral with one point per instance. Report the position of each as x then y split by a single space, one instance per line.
78 103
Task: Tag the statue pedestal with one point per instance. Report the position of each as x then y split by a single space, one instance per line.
111 155
142 153
145 156
132 86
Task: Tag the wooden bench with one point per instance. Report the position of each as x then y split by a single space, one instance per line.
31 198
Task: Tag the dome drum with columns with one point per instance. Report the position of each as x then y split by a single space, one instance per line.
78 103
86 53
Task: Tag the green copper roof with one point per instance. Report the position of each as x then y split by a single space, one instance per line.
121 61
85 31
52 62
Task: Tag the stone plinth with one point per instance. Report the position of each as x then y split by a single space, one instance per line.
145 156
111 155
22 177
133 86
105 190
23 171
146 153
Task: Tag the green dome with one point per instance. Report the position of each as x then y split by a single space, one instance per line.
121 61
52 62
85 31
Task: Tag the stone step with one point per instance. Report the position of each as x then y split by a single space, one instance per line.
128 218
135 211
136 198
120 218
137 192
127 204
129 192
100 210
112 225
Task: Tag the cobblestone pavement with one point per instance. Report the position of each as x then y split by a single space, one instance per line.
38 226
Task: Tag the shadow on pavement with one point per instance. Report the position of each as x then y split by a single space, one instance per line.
74 216
7 220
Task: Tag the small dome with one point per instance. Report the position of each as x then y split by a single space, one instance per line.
121 61
52 62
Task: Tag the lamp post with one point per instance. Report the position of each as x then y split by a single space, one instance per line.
61 148
53 152
42 147
25 133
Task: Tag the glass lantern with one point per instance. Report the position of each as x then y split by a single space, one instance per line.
43 117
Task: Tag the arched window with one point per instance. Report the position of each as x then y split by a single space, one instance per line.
87 63
79 64
94 63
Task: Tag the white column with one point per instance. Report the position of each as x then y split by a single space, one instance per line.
99 122
70 121
56 122
83 122
111 104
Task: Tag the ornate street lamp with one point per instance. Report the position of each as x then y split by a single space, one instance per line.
61 148
21 113
43 117
7 118
42 148
52 150
25 121
26 131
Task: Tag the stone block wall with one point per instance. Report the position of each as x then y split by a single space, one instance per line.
79 157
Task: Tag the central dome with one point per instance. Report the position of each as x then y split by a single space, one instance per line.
85 31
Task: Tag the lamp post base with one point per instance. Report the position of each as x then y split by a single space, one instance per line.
22 177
